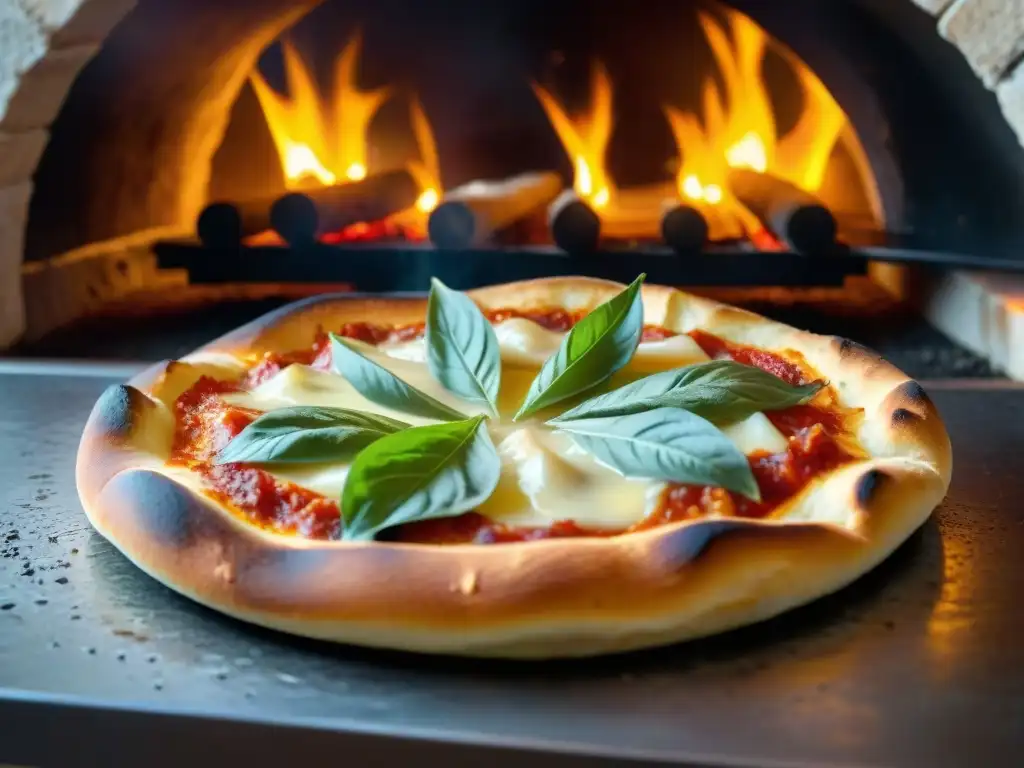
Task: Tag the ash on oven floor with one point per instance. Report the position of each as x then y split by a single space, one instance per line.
862 312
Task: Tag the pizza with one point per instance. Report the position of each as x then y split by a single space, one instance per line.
550 468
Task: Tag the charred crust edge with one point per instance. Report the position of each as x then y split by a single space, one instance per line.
163 509
867 486
912 393
852 349
116 408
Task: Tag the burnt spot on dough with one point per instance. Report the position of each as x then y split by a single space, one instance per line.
158 508
911 402
913 395
116 408
686 544
850 350
868 486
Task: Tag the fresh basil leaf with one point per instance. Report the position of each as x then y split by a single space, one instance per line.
462 348
665 444
379 385
596 347
440 470
307 434
722 391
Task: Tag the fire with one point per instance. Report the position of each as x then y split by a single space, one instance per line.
586 138
426 170
739 131
299 122
312 153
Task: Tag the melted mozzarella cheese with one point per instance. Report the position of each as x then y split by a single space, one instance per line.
545 477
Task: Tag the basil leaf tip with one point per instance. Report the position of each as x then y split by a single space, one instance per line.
440 470
306 435
597 346
721 391
667 444
462 347
379 385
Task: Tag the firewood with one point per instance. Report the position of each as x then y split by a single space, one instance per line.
796 217
301 217
471 214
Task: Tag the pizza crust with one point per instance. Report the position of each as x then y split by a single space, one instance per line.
543 599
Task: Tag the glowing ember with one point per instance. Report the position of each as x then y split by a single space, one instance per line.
586 138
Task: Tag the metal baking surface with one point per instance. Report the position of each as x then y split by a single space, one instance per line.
921 662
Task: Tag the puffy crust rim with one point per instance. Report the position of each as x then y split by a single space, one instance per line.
561 597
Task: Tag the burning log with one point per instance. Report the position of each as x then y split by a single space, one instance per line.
301 217
470 214
574 225
684 228
636 213
796 217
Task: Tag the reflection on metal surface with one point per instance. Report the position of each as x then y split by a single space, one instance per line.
953 621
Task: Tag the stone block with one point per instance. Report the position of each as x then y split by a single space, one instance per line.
44 87
91 22
1010 93
13 212
19 154
990 34
934 7
22 44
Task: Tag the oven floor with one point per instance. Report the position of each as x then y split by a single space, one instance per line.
155 328
918 663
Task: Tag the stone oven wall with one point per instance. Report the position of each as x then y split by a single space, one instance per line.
45 43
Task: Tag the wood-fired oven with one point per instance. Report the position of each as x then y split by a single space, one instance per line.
179 154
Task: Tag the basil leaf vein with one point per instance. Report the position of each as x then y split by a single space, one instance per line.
665 444
307 434
721 391
440 470
462 348
379 385
596 347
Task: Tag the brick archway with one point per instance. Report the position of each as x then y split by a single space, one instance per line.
45 43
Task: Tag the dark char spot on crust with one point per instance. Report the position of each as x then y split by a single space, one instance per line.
164 509
115 408
867 486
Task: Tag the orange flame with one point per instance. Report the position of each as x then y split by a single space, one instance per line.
739 131
586 138
299 122
299 126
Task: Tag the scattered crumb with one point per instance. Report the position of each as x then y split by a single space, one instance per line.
75 617
6 606
62 580
91 651
152 658
131 634
158 685
74 550
42 602
121 655
55 644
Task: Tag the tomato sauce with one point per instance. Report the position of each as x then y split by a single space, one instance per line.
720 349
206 423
